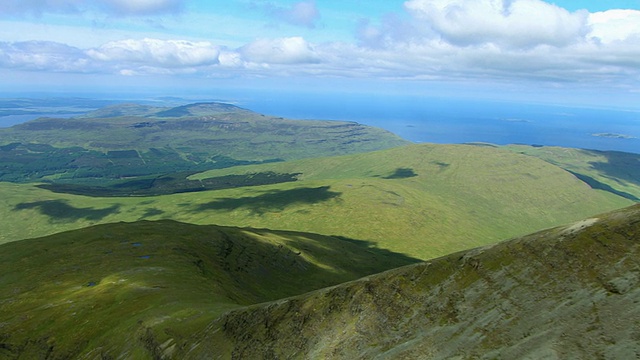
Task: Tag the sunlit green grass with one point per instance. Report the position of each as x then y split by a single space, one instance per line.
422 200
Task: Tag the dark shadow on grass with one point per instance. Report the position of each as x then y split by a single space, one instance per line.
619 166
60 210
151 212
595 184
272 200
401 173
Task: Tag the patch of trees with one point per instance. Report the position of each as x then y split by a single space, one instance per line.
26 162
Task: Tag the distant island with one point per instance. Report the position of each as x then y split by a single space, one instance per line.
614 136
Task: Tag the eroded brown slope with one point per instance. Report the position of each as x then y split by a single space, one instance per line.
565 293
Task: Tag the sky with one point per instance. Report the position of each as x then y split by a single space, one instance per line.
579 52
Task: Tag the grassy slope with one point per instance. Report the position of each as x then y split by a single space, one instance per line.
567 293
461 196
614 171
99 291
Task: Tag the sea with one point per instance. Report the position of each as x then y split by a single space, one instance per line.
451 121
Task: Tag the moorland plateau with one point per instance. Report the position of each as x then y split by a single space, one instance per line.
156 227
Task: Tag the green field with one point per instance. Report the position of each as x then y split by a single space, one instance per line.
421 200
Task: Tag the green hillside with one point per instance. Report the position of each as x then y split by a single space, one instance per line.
613 171
567 293
421 200
168 290
108 291
128 141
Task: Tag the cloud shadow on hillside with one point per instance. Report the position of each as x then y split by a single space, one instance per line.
60 210
595 184
402 173
272 200
619 165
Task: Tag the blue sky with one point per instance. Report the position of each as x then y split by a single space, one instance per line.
585 52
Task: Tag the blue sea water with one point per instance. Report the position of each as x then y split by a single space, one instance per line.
438 120
443 120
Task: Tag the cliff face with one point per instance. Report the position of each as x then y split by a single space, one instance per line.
569 292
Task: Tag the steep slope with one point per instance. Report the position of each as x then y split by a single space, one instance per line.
108 291
567 293
422 200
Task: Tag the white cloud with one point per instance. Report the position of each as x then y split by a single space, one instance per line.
158 53
615 25
42 56
291 50
514 23
481 40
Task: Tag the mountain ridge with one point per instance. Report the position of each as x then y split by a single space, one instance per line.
100 289
563 293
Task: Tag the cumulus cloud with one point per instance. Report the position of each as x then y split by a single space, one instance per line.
42 56
481 40
514 23
290 50
303 13
615 25
158 53
113 7
500 40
